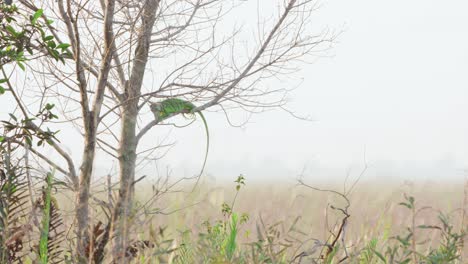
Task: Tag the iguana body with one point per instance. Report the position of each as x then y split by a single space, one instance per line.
174 106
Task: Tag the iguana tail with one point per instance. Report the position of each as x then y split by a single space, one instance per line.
207 148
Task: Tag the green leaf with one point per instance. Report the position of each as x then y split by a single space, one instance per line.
51 44
47 38
406 205
2 138
428 227
13 117
2 90
36 16
12 30
30 51
3 80
63 46
21 65
44 240
49 106
231 243
28 140
379 255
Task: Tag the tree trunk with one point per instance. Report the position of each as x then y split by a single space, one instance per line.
86 171
91 124
127 161
128 139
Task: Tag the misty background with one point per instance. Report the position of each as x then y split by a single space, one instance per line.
392 93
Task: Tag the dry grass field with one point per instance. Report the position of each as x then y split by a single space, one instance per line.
242 222
300 222
375 213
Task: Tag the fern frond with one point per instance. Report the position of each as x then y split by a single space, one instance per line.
14 229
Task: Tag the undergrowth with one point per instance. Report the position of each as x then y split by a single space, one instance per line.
32 231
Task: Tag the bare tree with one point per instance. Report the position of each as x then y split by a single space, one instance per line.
126 54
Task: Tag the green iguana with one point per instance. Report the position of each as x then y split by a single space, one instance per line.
174 106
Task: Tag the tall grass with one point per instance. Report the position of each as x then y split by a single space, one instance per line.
302 224
44 240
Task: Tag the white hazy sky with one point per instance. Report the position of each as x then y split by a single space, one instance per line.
395 88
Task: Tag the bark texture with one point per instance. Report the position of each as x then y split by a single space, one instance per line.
128 140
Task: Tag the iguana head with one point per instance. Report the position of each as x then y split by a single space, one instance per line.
157 110
155 107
